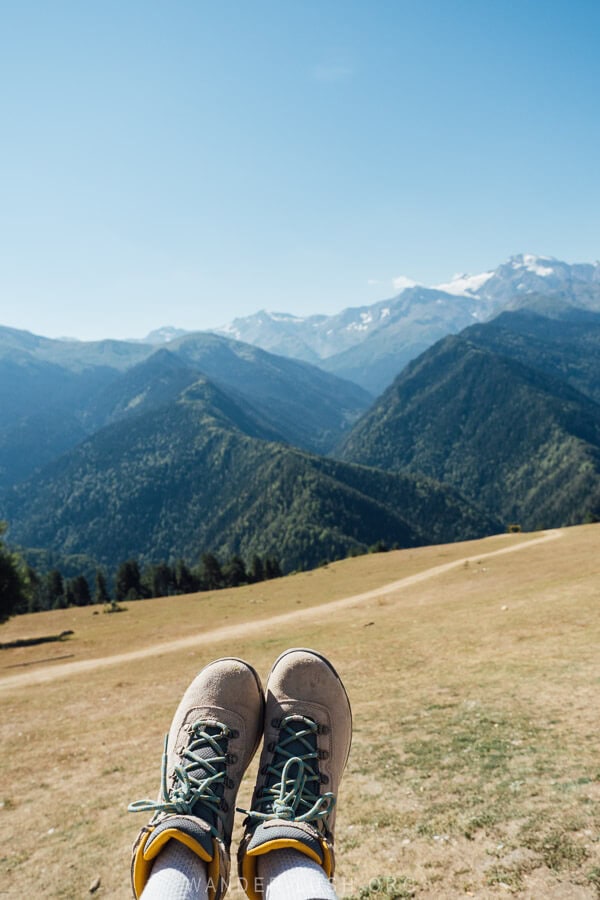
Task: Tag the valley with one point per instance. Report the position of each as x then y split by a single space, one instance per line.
158 452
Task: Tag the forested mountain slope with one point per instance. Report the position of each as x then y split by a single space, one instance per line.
53 394
516 439
202 473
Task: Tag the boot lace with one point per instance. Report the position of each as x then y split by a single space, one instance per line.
200 778
292 787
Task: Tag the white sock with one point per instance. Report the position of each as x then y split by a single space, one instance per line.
177 874
290 875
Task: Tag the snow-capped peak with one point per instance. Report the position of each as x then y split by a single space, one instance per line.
401 283
283 317
465 285
164 335
229 328
537 265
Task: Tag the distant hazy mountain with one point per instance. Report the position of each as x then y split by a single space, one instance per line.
324 338
299 403
309 407
493 412
371 344
201 473
45 386
164 335
72 355
53 394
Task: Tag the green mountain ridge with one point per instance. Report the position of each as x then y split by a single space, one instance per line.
520 441
310 407
208 444
53 394
550 336
202 474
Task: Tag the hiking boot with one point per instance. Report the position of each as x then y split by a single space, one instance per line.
214 735
308 730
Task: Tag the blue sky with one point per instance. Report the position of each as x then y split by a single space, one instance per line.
184 163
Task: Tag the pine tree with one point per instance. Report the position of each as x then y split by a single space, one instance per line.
69 593
159 580
36 589
185 581
210 572
257 570
234 572
272 567
13 584
54 590
101 594
81 591
128 583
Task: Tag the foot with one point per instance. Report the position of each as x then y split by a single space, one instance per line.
214 735
308 730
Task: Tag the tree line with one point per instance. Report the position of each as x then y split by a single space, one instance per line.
23 589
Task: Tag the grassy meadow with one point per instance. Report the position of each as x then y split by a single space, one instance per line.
475 767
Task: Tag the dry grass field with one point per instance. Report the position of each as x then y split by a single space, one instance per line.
474 679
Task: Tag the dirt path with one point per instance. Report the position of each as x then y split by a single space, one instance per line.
247 629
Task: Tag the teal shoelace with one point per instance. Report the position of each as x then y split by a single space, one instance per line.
197 781
292 788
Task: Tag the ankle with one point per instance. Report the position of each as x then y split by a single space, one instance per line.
291 875
177 874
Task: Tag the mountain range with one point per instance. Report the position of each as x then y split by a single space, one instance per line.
506 412
187 442
54 394
203 472
371 344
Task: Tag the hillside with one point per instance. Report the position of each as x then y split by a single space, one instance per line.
203 473
519 441
72 355
472 670
43 392
45 387
368 345
551 336
302 405
54 394
413 322
309 407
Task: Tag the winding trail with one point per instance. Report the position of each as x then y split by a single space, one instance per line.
248 629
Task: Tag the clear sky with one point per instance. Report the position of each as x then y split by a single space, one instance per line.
184 163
